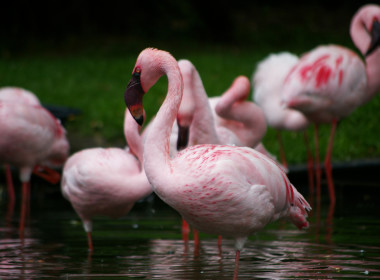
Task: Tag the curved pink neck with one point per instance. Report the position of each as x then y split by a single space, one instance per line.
204 131
132 136
156 147
360 25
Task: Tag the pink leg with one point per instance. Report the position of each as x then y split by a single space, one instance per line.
328 167
196 242
89 238
24 203
11 193
310 165
185 231
237 258
317 165
11 190
282 151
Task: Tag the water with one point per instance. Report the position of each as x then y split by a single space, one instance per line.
147 244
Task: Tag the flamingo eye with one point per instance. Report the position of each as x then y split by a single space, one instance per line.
138 70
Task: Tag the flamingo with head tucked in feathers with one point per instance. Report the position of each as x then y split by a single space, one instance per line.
106 181
30 137
219 189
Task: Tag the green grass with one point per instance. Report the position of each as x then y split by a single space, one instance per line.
94 82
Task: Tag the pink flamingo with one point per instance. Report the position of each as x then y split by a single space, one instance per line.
219 189
330 82
30 137
15 94
234 112
268 80
106 182
228 119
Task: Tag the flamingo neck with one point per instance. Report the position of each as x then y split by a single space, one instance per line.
132 136
362 40
203 119
373 74
157 163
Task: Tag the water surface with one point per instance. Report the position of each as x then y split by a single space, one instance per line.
147 243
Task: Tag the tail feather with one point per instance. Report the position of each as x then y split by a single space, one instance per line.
298 211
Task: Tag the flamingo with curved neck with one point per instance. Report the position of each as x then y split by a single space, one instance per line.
225 190
106 182
330 82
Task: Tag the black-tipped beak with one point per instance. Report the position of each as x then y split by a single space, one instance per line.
375 37
183 137
133 97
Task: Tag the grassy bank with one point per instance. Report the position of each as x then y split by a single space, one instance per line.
94 82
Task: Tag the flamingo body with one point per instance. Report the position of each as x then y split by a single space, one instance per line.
30 135
268 81
106 181
225 190
205 197
329 79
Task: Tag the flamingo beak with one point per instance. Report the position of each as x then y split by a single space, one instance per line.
133 97
375 37
183 137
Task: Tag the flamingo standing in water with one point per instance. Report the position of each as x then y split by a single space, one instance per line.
219 189
15 94
30 137
228 119
330 82
106 182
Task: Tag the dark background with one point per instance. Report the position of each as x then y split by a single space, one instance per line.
26 25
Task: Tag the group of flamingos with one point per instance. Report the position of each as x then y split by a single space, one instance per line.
202 156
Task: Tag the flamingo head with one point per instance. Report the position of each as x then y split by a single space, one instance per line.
375 37
145 74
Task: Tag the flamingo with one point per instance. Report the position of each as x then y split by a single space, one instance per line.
106 181
219 189
267 81
16 94
330 82
30 137
233 111
227 119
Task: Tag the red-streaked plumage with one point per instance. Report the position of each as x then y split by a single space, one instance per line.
30 136
224 190
106 181
329 82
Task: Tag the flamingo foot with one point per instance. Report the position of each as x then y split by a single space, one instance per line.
47 174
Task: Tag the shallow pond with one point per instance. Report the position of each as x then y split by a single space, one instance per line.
343 242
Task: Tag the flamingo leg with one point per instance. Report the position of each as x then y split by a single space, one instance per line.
282 150
220 244
185 231
328 167
89 238
310 165
317 165
24 203
11 193
10 188
237 258
196 242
